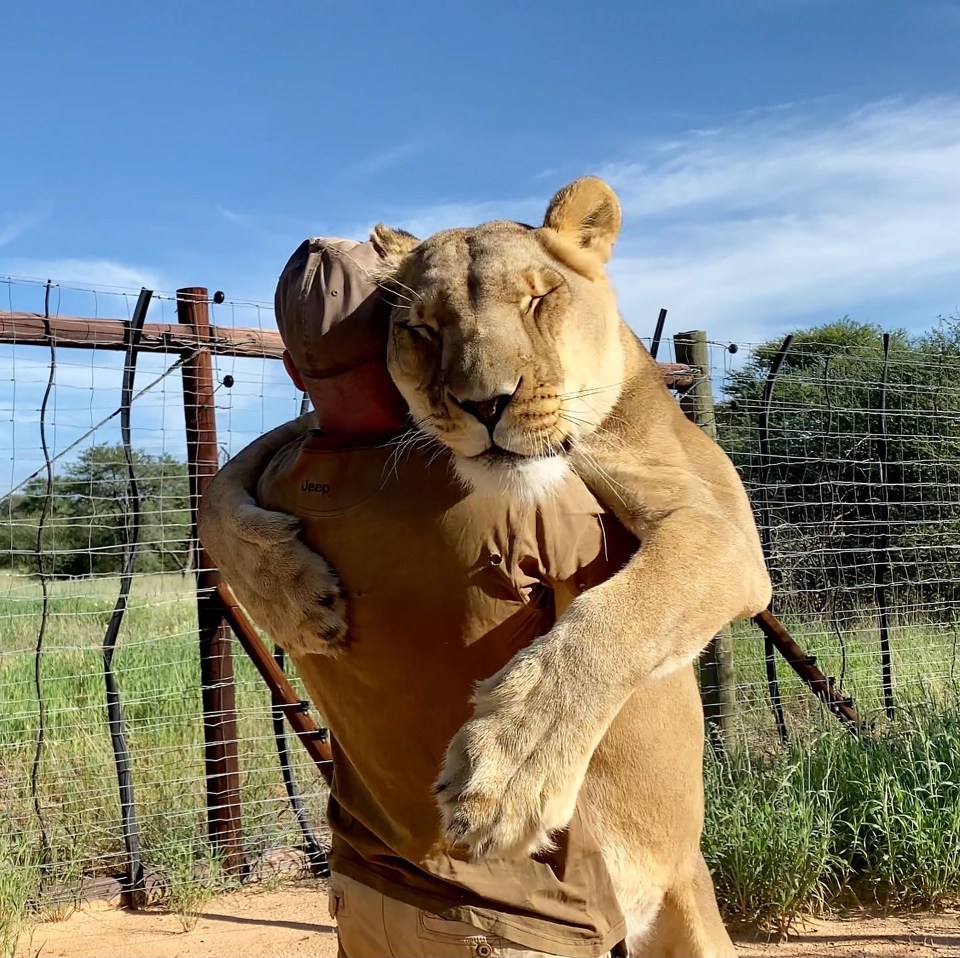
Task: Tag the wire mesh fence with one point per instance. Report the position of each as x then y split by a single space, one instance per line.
857 486
66 513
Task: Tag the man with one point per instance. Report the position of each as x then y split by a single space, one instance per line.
442 587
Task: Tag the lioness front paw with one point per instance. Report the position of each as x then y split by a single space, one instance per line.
288 590
297 599
513 771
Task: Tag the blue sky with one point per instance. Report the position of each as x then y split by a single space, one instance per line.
780 162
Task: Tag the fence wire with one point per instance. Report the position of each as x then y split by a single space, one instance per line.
65 593
861 490
861 485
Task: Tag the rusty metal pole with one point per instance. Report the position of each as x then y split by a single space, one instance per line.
718 684
806 667
216 664
284 695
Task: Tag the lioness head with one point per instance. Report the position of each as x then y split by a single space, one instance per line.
505 338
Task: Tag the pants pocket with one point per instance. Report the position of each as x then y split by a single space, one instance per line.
458 937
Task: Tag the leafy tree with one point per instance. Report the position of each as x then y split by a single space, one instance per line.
838 469
84 527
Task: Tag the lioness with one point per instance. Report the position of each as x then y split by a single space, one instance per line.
507 345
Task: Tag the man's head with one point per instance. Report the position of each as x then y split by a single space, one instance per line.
333 323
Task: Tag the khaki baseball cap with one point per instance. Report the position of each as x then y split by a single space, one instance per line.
329 310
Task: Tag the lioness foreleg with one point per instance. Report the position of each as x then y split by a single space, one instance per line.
513 772
288 590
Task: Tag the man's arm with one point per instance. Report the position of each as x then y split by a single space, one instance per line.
288 590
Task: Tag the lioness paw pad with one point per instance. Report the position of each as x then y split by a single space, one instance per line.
299 601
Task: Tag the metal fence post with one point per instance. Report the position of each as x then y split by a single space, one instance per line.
718 688
216 664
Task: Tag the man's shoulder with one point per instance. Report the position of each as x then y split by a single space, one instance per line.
322 475
271 485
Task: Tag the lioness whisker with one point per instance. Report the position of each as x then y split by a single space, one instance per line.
394 286
440 450
592 391
402 437
377 279
610 438
598 427
573 418
397 306
419 423
406 442
598 416
591 460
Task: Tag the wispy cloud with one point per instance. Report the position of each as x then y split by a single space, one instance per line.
783 216
86 272
14 225
793 214
388 158
744 227
430 219
237 219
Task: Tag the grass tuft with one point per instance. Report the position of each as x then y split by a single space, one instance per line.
796 829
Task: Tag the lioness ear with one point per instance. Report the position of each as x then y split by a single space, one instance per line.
392 245
586 211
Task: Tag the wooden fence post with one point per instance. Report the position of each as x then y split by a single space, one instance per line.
717 677
216 665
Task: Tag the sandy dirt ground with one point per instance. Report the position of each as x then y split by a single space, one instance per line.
293 923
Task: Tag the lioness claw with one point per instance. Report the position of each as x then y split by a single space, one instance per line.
288 589
308 611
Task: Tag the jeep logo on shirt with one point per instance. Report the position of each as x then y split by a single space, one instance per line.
320 487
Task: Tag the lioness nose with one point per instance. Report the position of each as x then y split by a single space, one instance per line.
487 411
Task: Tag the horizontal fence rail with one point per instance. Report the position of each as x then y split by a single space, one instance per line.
31 329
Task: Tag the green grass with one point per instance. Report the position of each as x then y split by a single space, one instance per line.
19 878
926 666
832 817
157 663
789 829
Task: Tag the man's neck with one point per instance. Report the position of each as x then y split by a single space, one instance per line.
362 400
341 423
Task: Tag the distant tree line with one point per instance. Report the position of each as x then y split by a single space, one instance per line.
847 486
83 530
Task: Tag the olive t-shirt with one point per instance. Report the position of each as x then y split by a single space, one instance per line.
443 586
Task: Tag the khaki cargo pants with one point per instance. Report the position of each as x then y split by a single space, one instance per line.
371 925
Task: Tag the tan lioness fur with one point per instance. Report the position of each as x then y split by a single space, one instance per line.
506 343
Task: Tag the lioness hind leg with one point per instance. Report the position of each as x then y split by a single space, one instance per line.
711 921
688 924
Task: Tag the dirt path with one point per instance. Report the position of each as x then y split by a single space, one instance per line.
293 923
905 936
